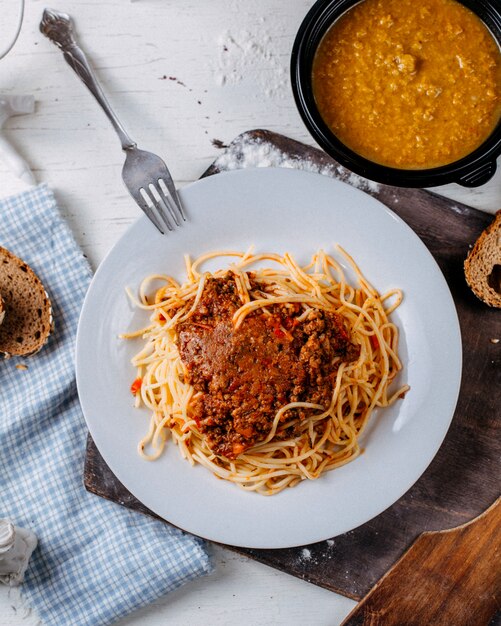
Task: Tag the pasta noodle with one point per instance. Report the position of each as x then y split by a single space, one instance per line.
329 436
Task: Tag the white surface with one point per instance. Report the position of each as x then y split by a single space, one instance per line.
69 144
270 208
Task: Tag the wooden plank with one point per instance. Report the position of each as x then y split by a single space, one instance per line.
463 479
446 577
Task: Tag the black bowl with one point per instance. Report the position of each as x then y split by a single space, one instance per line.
471 171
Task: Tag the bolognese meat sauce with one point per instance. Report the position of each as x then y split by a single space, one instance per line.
245 375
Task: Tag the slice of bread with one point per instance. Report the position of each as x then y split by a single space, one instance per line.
28 313
482 267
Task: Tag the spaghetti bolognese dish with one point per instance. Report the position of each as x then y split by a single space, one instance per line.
266 372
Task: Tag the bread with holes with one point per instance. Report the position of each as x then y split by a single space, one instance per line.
483 265
27 321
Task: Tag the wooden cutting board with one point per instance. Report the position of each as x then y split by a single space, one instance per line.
464 478
447 577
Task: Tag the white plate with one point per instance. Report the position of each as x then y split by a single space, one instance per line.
277 210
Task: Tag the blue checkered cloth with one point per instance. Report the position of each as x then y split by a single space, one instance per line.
95 562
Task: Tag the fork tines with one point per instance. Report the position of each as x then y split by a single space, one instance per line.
161 204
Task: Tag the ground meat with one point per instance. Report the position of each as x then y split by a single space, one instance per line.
246 375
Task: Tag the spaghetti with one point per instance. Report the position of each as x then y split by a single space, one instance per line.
305 436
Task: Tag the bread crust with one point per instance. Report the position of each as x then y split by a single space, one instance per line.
28 320
483 264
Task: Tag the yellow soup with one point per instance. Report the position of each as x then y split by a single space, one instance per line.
411 84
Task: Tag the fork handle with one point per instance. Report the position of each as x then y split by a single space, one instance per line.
59 29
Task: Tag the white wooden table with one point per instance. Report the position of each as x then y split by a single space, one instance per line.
180 73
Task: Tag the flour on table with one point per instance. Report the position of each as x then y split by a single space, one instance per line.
253 57
259 153
308 558
250 151
306 554
362 183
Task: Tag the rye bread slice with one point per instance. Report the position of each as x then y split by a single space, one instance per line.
483 265
28 313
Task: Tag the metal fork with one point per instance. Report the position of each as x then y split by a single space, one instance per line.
145 174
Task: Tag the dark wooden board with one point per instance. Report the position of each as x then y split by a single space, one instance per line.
464 478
